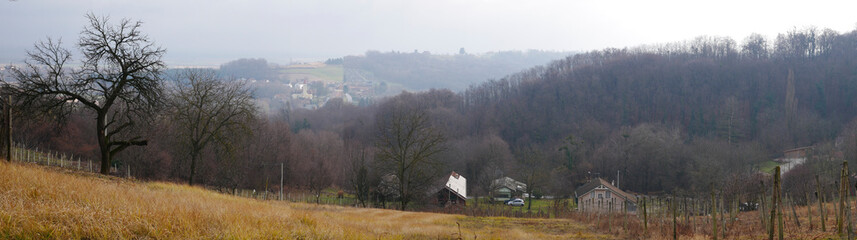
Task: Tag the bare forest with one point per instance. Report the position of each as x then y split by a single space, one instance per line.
675 118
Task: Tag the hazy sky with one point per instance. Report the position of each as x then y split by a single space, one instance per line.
210 32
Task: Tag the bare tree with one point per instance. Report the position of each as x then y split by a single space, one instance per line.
208 110
407 147
318 160
358 175
119 80
755 46
533 170
487 158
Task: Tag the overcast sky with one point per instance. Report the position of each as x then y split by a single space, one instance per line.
210 32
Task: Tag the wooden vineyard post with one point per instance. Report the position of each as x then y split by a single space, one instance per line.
794 213
675 229
610 213
713 213
774 205
645 218
842 195
819 195
809 209
685 211
734 214
723 213
779 196
693 212
847 193
762 211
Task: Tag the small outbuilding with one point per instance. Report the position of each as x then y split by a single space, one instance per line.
454 192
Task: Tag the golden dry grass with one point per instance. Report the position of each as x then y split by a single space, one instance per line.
747 225
51 203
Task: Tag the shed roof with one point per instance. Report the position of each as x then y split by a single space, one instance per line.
508 183
598 182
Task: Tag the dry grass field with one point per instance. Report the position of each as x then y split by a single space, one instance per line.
39 202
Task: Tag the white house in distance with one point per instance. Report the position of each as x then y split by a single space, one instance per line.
506 188
454 191
457 183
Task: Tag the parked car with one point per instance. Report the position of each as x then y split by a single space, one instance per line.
516 202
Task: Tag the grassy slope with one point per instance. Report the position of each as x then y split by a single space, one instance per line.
39 202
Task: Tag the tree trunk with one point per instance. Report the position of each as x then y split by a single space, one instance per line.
529 201
102 143
193 157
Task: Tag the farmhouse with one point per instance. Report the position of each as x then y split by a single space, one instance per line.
796 153
454 191
505 188
598 195
792 158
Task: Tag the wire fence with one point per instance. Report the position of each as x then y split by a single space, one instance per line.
34 155
295 196
45 157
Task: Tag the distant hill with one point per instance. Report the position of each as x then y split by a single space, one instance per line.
422 71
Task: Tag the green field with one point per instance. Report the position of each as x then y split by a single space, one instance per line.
767 166
538 204
325 73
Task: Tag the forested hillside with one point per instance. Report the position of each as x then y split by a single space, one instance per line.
669 118
705 102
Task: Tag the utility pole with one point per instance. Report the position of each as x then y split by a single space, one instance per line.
9 129
282 176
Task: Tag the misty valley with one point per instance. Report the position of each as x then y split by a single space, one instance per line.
705 138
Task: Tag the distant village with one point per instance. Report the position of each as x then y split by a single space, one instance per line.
300 88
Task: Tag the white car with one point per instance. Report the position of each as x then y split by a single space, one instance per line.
516 202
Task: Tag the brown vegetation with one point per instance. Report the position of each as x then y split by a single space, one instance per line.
45 203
